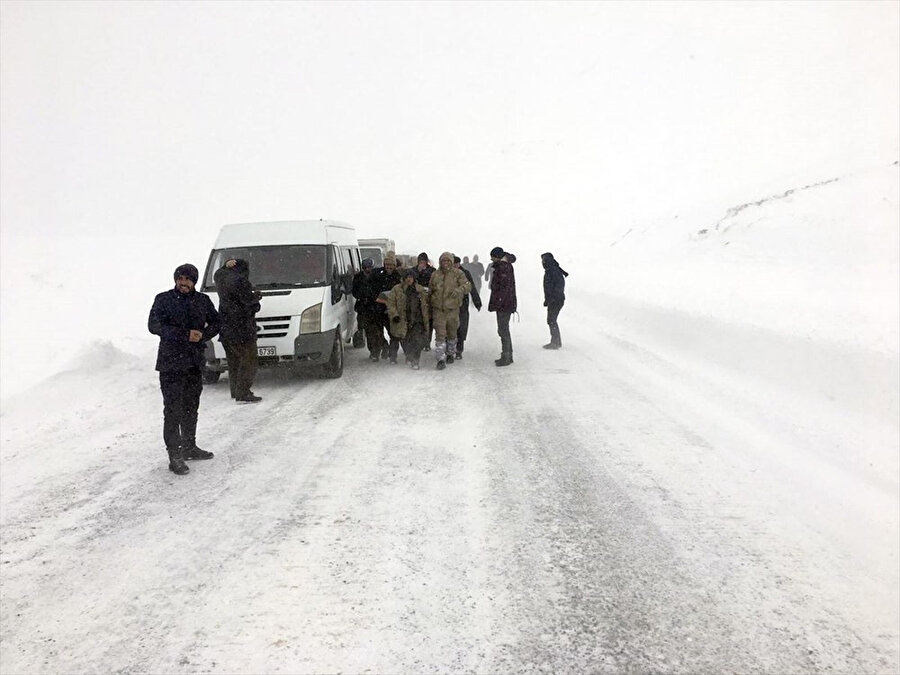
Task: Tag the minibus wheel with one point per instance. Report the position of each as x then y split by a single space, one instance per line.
335 366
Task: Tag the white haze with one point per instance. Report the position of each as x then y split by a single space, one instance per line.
132 131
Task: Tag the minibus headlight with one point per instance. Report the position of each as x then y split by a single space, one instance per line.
311 320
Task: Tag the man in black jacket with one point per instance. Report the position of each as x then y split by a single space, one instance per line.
383 280
366 293
463 330
424 270
238 305
185 320
554 296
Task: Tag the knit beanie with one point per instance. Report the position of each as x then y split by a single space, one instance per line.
187 270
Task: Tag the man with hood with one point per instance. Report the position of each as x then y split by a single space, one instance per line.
407 308
238 305
463 330
503 300
446 290
554 296
185 320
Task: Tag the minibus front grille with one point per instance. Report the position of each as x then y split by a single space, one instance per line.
272 335
273 318
268 293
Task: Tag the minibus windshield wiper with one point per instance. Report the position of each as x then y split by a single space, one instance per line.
282 284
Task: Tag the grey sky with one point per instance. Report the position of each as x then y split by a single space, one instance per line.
429 120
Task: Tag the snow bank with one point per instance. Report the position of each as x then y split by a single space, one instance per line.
819 261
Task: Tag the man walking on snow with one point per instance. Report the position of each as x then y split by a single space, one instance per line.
503 300
185 320
447 288
463 331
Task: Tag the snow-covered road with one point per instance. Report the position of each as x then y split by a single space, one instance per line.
620 505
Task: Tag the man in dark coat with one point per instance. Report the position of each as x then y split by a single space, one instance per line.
238 305
463 330
424 270
383 280
554 296
185 320
366 309
503 300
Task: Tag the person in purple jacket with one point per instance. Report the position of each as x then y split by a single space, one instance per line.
503 300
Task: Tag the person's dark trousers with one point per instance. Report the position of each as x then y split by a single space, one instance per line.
463 330
374 335
394 347
181 391
506 349
413 343
243 360
552 315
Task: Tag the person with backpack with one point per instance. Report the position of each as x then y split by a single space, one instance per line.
503 300
554 296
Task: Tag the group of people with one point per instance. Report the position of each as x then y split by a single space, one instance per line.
404 307
409 304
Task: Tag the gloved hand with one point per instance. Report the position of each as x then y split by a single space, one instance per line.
396 319
545 303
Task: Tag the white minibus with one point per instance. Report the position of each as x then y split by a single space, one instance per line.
304 270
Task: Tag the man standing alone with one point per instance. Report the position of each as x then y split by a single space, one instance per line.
554 296
238 305
503 301
185 320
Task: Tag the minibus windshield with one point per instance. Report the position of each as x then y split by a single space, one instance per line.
287 266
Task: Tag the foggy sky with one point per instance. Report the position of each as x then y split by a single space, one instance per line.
130 132
421 119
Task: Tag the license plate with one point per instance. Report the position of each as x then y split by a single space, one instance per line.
266 351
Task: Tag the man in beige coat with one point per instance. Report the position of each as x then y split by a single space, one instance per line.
407 308
447 288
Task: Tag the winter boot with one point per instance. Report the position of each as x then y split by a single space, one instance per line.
551 345
504 360
193 452
441 365
176 463
450 358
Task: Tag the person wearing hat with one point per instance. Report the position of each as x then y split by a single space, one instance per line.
407 309
554 296
185 320
503 300
446 291
238 305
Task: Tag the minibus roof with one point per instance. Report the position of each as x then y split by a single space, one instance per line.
286 232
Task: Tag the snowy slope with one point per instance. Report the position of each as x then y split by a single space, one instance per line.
705 478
